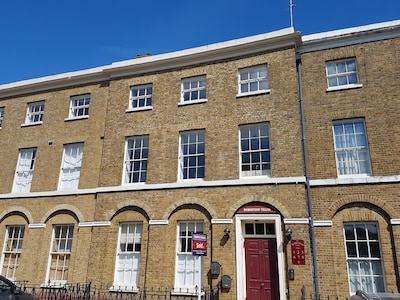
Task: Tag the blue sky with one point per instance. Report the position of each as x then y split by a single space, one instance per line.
47 37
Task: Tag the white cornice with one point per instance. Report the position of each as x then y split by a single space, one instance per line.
160 186
53 82
94 224
221 221
295 221
355 180
205 184
322 223
205 54
350 36
158 222
36 226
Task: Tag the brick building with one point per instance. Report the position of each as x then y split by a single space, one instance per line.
108 172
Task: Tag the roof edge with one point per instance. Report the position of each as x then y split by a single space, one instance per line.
353 35
202 54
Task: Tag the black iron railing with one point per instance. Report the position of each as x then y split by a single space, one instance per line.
87 291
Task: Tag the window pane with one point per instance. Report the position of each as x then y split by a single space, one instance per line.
253 86
249 228
353 79
362 249
263 85
331 68
351 66
349 232
332 81
341 67
372 231
375 251
351 249
361 233
260 228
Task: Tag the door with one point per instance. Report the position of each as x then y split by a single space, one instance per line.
262 281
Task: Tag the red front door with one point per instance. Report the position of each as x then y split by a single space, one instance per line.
261 269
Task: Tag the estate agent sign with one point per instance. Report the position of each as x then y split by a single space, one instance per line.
199 244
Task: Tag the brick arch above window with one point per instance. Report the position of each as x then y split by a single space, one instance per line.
63 209
17 210
131 208
360 200
135 204
184 202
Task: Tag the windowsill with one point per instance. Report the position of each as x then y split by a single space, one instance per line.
191 179
344 87
354 176
192 102
144 108
254 176
133 183
76 118
253 93
185 292
31 124
124 289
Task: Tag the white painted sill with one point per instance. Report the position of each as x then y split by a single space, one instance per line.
344 87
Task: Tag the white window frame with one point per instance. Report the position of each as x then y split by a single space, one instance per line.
79 106
127 262
136 159
339 71
255 79
34 114
71 166
367 269
12 250
141 97
192 155
60 254
350 157
24 171
194 90
1 116
255 150
188 267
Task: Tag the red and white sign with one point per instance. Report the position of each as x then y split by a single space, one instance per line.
199 244
255 209
298 254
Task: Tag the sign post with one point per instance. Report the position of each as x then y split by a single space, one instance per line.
199 248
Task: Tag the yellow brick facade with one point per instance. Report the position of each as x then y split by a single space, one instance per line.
102 202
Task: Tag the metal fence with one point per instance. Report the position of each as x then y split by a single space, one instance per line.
86 291
312 297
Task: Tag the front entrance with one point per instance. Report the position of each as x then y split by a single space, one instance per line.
261 269
260 258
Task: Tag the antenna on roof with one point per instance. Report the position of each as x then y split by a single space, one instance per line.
291 12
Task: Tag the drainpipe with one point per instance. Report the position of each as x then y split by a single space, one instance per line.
308 189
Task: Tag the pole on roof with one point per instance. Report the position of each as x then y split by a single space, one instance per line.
291 12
